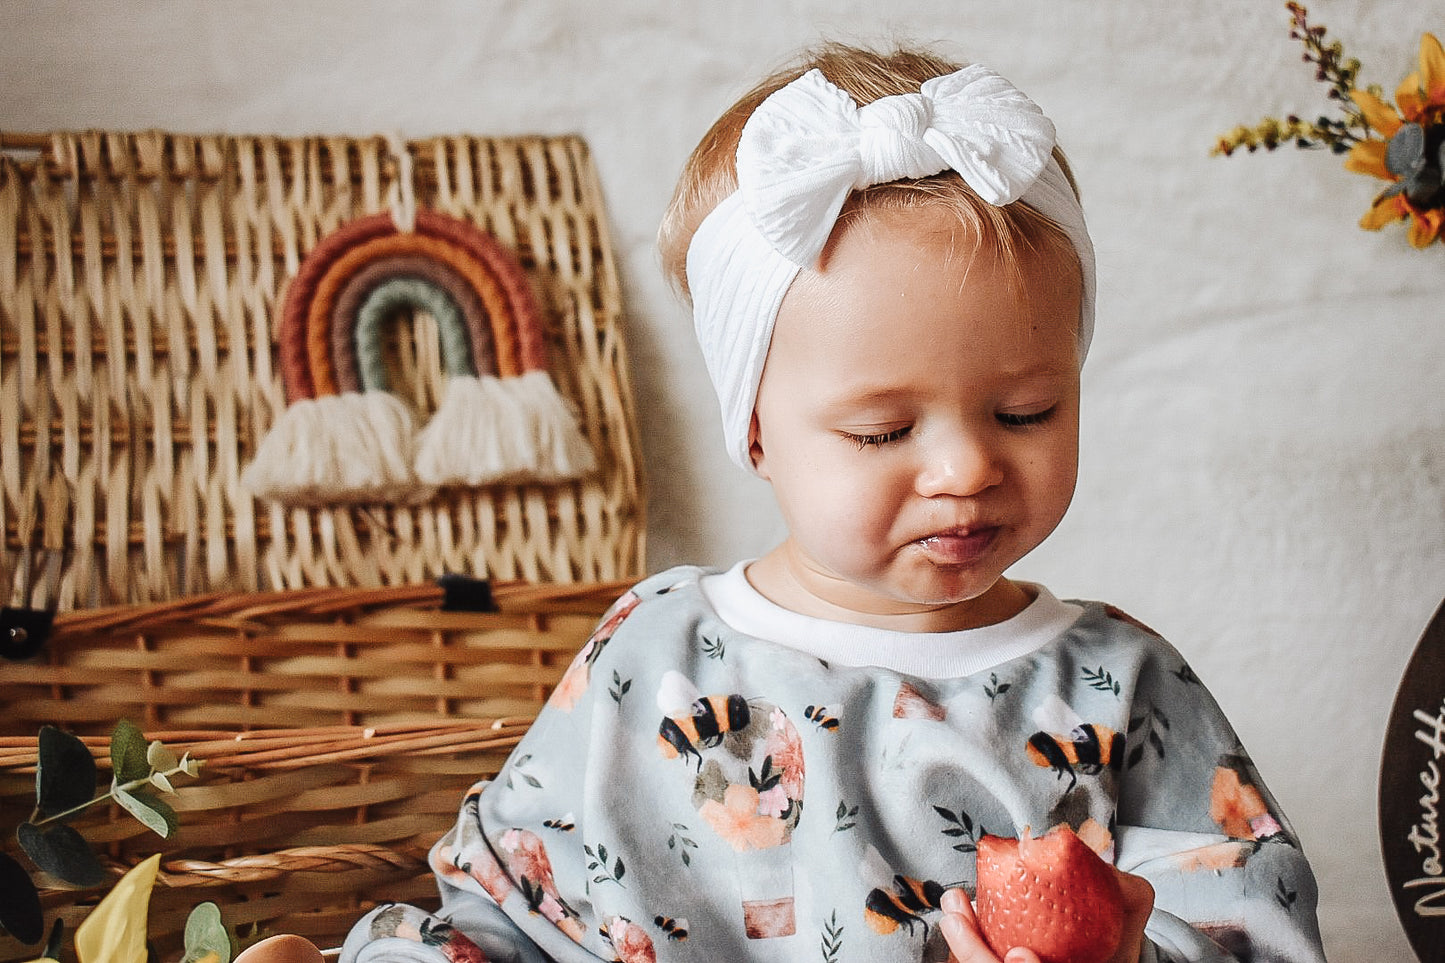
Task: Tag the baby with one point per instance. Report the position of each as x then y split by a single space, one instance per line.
796 758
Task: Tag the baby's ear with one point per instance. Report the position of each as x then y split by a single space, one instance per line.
755 447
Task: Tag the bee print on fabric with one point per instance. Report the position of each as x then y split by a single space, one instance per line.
629 941
903 903
747 757
575 679
1069 746
818 716
897 903
702 725
675 929
744 762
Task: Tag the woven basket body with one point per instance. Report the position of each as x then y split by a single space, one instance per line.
140 280
339 729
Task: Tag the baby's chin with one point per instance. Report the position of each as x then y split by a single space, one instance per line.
941 604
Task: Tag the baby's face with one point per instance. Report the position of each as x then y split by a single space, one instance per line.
918 415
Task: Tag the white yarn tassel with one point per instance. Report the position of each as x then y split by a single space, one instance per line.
337 448
491 430
476 437
562 452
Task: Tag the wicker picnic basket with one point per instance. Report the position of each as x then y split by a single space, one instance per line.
338 730
141 276
302 651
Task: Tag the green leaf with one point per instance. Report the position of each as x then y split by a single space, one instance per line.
128 752
206 935
57 939
159 757
159 780
20 911
158 817
65 773
62 852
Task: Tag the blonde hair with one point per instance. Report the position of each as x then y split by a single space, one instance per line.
710 174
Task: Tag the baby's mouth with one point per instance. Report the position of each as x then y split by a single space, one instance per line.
958 546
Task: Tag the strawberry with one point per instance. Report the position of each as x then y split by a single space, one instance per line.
1051 894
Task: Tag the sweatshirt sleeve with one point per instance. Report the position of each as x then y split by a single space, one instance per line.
1196 820
498 867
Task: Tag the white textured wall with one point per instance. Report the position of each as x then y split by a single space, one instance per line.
1262 472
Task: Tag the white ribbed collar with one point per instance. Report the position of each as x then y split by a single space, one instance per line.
927 655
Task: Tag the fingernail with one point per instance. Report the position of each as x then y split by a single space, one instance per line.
952 901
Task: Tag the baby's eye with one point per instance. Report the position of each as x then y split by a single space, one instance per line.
1025 419
882 438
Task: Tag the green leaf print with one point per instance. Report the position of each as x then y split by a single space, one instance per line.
680 843
832 942
1284 896
1144 730
1101 681
713 648
846 817
960 826
995 688
619 687
518 769
597 862
1186 675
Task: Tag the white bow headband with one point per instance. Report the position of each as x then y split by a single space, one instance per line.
803 151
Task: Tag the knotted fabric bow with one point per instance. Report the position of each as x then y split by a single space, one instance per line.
803 151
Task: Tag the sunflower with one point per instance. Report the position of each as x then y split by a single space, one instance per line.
1412 154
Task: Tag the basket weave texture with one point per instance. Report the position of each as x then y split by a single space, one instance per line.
338 729
140 280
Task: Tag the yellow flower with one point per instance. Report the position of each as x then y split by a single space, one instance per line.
115 931
1420 100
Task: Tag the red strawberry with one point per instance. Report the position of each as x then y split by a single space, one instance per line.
1053 895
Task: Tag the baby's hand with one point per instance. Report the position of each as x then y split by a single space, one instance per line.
967 944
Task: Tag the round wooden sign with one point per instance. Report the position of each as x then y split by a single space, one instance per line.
1412 784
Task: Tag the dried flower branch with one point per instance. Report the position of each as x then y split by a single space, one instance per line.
1403 144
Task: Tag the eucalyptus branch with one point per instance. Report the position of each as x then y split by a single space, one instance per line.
185 767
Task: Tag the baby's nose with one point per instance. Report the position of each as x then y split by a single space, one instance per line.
961 467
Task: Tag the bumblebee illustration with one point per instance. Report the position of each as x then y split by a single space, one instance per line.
818 715
903 904
1089 749
563 825
676 929
711 718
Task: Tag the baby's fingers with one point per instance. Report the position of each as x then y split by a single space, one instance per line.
965 941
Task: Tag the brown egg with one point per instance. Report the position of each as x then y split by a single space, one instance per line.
282 949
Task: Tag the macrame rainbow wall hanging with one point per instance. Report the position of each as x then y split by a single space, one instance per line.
344 436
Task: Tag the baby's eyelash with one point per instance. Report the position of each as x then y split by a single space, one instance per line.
883 438
1025 420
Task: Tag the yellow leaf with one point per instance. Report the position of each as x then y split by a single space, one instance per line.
1368 157
1381 115
1407 96
1424 228
1432 69
1386 210
115 932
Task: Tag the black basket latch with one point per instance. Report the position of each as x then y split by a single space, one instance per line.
463 593
24 631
